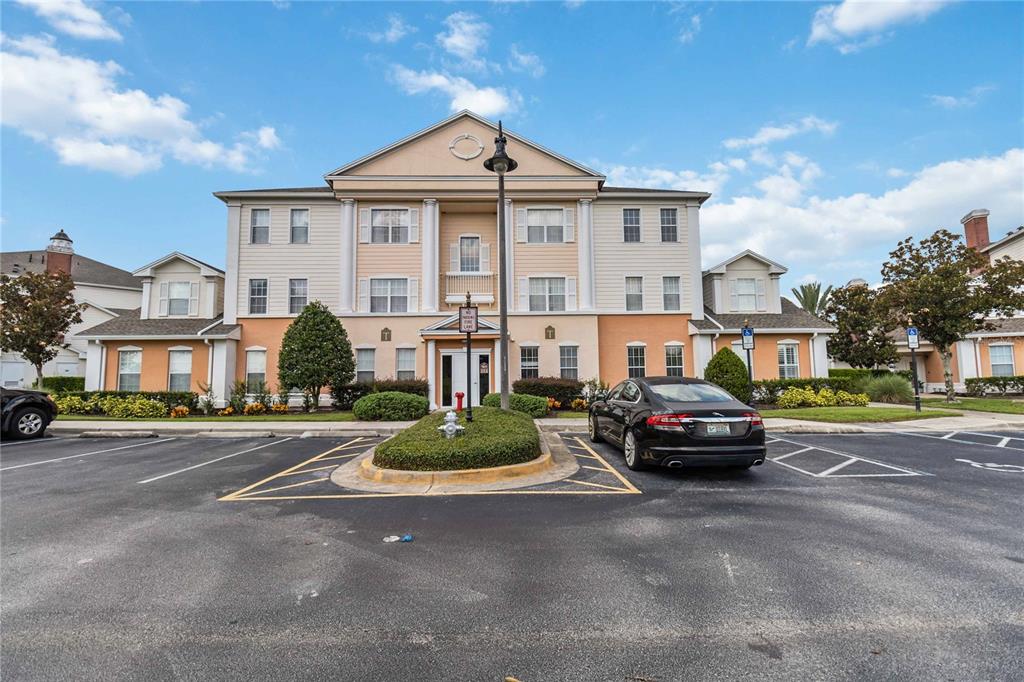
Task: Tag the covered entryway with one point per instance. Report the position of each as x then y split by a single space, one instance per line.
446 361
453 375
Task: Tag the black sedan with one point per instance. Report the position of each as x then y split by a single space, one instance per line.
676 422
25 414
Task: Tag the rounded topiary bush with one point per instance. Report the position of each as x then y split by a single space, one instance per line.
533 405
390 406
890 389
728 371
495 437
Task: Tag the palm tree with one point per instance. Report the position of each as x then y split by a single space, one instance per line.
812 299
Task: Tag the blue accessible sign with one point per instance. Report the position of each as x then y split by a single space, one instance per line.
748 338
913 340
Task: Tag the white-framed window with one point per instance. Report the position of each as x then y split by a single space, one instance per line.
178 294
670 293
669 225
255 370
469 254
634 293
389 295
405 363
545 225
299 233
569 361
259 226
746 293
257 297
365 358
789 361
547 293
631 224
529 362
636 361
1000 357
389 226
129 370
674 360
179 370
298 295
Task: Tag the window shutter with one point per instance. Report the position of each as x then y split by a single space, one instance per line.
414 224
568 225
364 226
524 293
414 295
485 258
454 263
364 294
570 293
193 299
163 299
734 299
520 224
761 298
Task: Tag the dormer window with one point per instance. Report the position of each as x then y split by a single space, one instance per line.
177 298
746 294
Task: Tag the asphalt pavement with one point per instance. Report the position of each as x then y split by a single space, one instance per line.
864 556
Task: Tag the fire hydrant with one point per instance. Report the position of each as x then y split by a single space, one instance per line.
459 395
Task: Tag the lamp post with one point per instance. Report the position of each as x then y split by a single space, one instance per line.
501 163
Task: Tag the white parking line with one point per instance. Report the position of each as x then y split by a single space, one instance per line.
790 454
88 454
837 467
830 473
960 440
33 441
212 461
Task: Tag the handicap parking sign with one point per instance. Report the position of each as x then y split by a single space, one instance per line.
748 338
913 340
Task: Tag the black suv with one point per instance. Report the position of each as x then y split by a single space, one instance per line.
26 414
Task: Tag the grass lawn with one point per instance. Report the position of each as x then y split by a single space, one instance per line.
291 417
843 415
568 414
1003 405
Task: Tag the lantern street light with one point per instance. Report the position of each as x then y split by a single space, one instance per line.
502 163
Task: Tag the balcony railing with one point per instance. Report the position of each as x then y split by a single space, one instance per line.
480 286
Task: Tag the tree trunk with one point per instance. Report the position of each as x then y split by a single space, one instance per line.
314 404
39 376
947 374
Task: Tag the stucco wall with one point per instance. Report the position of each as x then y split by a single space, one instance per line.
616 331
155 360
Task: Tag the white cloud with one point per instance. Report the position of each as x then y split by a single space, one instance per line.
486 101
843 23
965 101
896 173
466 35
525 62
688 32
712 180
768 134
573 4
76 106
396 30
74 18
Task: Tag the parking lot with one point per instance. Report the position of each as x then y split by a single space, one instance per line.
844 556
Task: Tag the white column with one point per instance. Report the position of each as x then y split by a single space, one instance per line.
428 241
223 372
693 240
94 366
431 378
231 264
510 247
147 288
346 259
585 255
819 353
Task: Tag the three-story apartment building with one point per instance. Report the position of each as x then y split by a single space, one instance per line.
603 281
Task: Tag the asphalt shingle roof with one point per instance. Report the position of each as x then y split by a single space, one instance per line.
791 317
83 270
129 325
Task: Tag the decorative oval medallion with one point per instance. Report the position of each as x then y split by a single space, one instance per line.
466 147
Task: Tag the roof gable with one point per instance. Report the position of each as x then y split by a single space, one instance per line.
773 267
451 324
205 269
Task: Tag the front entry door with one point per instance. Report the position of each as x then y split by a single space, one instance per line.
453 376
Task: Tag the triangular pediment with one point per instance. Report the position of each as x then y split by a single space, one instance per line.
457 147
451 325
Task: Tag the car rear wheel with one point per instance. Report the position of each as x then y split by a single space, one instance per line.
595 436
28 422
632 452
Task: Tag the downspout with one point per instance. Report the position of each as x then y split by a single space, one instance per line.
103 366
209 362
810 347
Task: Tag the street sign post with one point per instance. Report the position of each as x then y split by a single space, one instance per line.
747 337
469 324
914 342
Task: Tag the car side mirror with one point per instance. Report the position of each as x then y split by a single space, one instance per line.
601 395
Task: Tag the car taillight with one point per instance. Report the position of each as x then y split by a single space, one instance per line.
669 421
755 418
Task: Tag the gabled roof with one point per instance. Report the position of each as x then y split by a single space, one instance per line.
1015 234
465 113
774 268
205 269
130 326
83 270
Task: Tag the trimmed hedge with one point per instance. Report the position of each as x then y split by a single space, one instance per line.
345 397
806 397
768 391
858 373
113 406
169 399
411 386
495 437
63 384
390 406
533 405
562 390
979 386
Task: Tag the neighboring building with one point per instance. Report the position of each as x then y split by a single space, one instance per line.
603 281
106 293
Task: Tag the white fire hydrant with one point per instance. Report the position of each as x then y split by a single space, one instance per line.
450 428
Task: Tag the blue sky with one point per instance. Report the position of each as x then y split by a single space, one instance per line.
826 131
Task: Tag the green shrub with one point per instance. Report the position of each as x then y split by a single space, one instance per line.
728 371
844 399
767 391
533 405
169 399
562 390
73 404
412 386
63 384
826 398
346 396
796 397
890 389
390 406
495 437
979 386
806 397
132 406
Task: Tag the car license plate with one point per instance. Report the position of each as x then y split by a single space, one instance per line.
718 429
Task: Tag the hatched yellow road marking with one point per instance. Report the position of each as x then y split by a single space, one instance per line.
625 481
284 487
234 495
595 485
308 471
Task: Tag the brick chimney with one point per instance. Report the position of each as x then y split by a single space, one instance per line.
59 253
976 228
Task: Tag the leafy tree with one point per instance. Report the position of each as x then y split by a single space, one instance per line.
36 311
948 290
812 299
728 371
315 353
862 327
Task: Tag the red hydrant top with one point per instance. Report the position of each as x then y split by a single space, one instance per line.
459 395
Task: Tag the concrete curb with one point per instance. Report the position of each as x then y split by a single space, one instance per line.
118 430
117 434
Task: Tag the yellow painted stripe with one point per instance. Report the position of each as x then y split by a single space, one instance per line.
625 481
352 496
284 487
246 489
307 471
596 485
353 454
594 468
